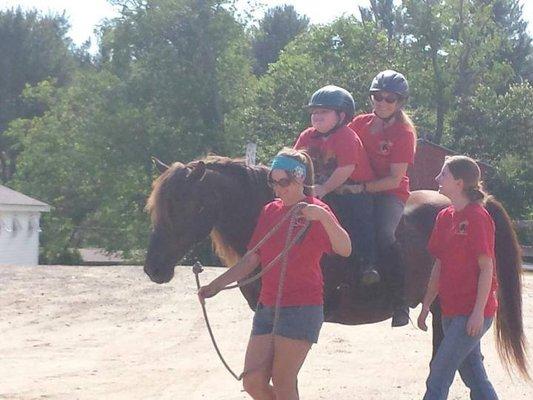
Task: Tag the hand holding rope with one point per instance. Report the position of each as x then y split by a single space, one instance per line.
293 214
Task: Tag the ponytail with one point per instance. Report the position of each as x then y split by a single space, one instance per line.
476 194
404 118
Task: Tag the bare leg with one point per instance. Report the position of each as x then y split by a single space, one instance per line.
258 367
289 356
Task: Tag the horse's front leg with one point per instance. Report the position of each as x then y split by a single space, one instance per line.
438 333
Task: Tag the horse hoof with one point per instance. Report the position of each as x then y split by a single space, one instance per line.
400 317
370 277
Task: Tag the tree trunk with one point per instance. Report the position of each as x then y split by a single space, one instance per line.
440 107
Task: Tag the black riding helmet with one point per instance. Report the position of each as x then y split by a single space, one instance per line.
334 98
390 81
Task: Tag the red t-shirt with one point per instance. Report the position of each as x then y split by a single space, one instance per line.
338 149
303 280
393 145
458 239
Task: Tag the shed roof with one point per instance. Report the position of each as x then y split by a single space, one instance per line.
12 197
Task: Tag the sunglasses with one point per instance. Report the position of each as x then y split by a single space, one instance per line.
283 182
389 99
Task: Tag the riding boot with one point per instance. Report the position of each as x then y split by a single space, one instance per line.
400 316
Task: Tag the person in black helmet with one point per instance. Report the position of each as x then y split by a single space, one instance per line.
389 137
339 157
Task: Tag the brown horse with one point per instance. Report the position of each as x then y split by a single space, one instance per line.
222 198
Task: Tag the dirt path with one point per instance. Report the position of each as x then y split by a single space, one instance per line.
109 333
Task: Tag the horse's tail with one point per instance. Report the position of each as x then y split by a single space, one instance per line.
511 342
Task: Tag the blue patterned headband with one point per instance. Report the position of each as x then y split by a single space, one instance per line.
298 170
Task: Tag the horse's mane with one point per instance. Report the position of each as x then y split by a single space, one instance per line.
154 204
162 187
233 166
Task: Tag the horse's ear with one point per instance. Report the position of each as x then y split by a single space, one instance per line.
160 165
198 172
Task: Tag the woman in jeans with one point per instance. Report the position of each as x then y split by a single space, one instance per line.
278 355
389 138
464 277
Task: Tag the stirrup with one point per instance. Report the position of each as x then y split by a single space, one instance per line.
370 276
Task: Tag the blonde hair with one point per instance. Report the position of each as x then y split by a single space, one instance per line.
467 169
304 158
404 118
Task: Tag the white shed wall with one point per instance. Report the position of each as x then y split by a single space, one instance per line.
19 238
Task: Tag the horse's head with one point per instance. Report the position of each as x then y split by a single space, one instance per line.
183 207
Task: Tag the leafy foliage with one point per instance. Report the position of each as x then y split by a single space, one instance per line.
33 48
174 79
279 26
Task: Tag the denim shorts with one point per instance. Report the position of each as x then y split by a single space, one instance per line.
295 322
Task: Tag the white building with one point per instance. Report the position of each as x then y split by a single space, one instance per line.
19 227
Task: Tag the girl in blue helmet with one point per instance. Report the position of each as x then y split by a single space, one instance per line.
389 137
339 158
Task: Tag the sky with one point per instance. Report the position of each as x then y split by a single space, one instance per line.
85 15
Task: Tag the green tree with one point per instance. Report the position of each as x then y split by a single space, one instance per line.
278 27
34 47
498 128
170 75
86 156
385 15
455 47
509 16
188 60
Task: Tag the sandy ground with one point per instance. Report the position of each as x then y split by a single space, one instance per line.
109 333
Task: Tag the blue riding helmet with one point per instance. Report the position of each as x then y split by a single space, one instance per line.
390 81
334 98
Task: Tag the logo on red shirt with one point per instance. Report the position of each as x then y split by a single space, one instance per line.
461 229
385 147
324 163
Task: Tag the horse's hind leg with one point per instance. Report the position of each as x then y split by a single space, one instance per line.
438 333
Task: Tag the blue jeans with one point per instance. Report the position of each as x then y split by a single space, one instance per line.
388 210
358 219
459 352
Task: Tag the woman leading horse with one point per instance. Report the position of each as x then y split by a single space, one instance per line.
222 198
281 339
